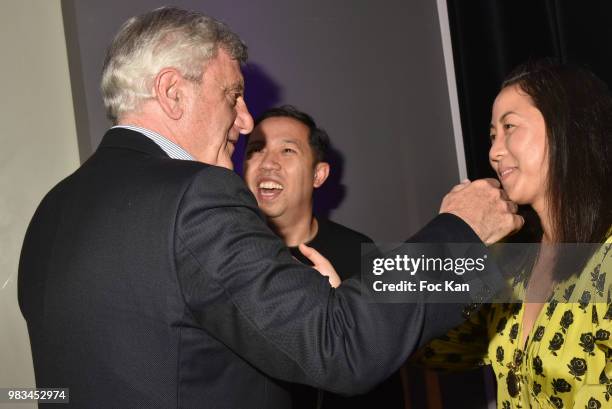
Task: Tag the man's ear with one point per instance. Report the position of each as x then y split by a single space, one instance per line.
169 92
321 172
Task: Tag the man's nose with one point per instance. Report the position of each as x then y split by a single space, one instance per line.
244 120
270 161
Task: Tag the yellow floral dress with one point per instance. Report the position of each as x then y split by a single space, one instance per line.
567 358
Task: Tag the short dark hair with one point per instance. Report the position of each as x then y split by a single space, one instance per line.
317 137
577 110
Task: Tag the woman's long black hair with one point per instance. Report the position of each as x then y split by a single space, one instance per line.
577 109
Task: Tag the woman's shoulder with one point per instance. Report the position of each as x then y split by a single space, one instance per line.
593 284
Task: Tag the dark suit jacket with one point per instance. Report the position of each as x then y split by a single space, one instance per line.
148 282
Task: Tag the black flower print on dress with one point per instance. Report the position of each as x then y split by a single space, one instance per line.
501 325
517 359
608 393
587 342
537 388
537 366
551 308
584 300
598 280
566 320
569 338
515 309
603 379
568 292
577 368
557 402
538 334
593 404
560 385
556 343
499 355
514 332
602 335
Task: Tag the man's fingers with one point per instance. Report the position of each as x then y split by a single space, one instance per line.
505 227
485 207
504 195
493 182
512 207
518 221
464 183
311 254
321 264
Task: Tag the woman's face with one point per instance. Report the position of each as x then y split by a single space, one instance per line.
518 147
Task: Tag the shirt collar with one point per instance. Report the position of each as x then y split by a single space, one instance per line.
173 150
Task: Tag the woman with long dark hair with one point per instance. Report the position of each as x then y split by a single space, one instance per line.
550 130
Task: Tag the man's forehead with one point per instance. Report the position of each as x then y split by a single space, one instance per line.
233 78
234 74
227 70
284 123
280 128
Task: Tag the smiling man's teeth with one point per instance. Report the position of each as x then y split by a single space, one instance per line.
270 185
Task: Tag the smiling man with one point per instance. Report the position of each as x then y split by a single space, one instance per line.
284 163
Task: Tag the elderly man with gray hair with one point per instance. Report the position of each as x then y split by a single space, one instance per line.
149 279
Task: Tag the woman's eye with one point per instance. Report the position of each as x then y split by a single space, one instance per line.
492 137
508 126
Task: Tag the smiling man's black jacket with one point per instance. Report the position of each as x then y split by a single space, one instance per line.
149 282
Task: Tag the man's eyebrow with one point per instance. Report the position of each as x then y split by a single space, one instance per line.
291 141
236 87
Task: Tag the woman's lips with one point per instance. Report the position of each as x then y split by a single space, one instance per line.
506 172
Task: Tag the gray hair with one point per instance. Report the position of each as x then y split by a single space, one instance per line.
164 37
